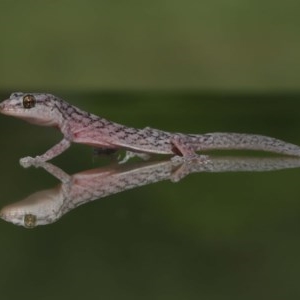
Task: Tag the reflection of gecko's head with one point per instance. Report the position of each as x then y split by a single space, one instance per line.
35 108
40 208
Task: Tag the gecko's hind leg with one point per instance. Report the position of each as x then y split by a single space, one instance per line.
184 149
130 154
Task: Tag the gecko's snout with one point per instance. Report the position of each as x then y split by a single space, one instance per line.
3 106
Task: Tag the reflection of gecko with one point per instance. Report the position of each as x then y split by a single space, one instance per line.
47 206
82 127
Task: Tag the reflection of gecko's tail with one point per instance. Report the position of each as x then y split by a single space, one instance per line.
242 141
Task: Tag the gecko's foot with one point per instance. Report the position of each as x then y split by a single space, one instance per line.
29 161
185 165
26 162
130 154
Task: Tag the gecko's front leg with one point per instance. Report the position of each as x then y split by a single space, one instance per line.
28 161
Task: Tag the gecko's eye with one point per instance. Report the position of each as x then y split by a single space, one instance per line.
28 101
29 221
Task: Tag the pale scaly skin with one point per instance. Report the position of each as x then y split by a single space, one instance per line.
82 127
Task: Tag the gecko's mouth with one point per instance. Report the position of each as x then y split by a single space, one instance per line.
14 111
26 115
7 109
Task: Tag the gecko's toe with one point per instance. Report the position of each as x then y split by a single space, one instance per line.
27 161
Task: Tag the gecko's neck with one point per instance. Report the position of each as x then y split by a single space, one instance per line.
68 111
69 117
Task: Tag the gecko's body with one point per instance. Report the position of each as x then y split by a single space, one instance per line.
82 127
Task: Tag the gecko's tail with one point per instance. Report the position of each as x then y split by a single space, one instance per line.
242 141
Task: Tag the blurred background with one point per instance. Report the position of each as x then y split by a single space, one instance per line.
162 44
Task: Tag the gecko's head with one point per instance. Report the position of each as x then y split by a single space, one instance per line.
39 208
32 107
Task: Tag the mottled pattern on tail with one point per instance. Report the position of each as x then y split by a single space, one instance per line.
242 141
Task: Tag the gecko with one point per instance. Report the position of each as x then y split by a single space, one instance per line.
78 126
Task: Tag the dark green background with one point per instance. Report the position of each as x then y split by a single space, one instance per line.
165 44
189 66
